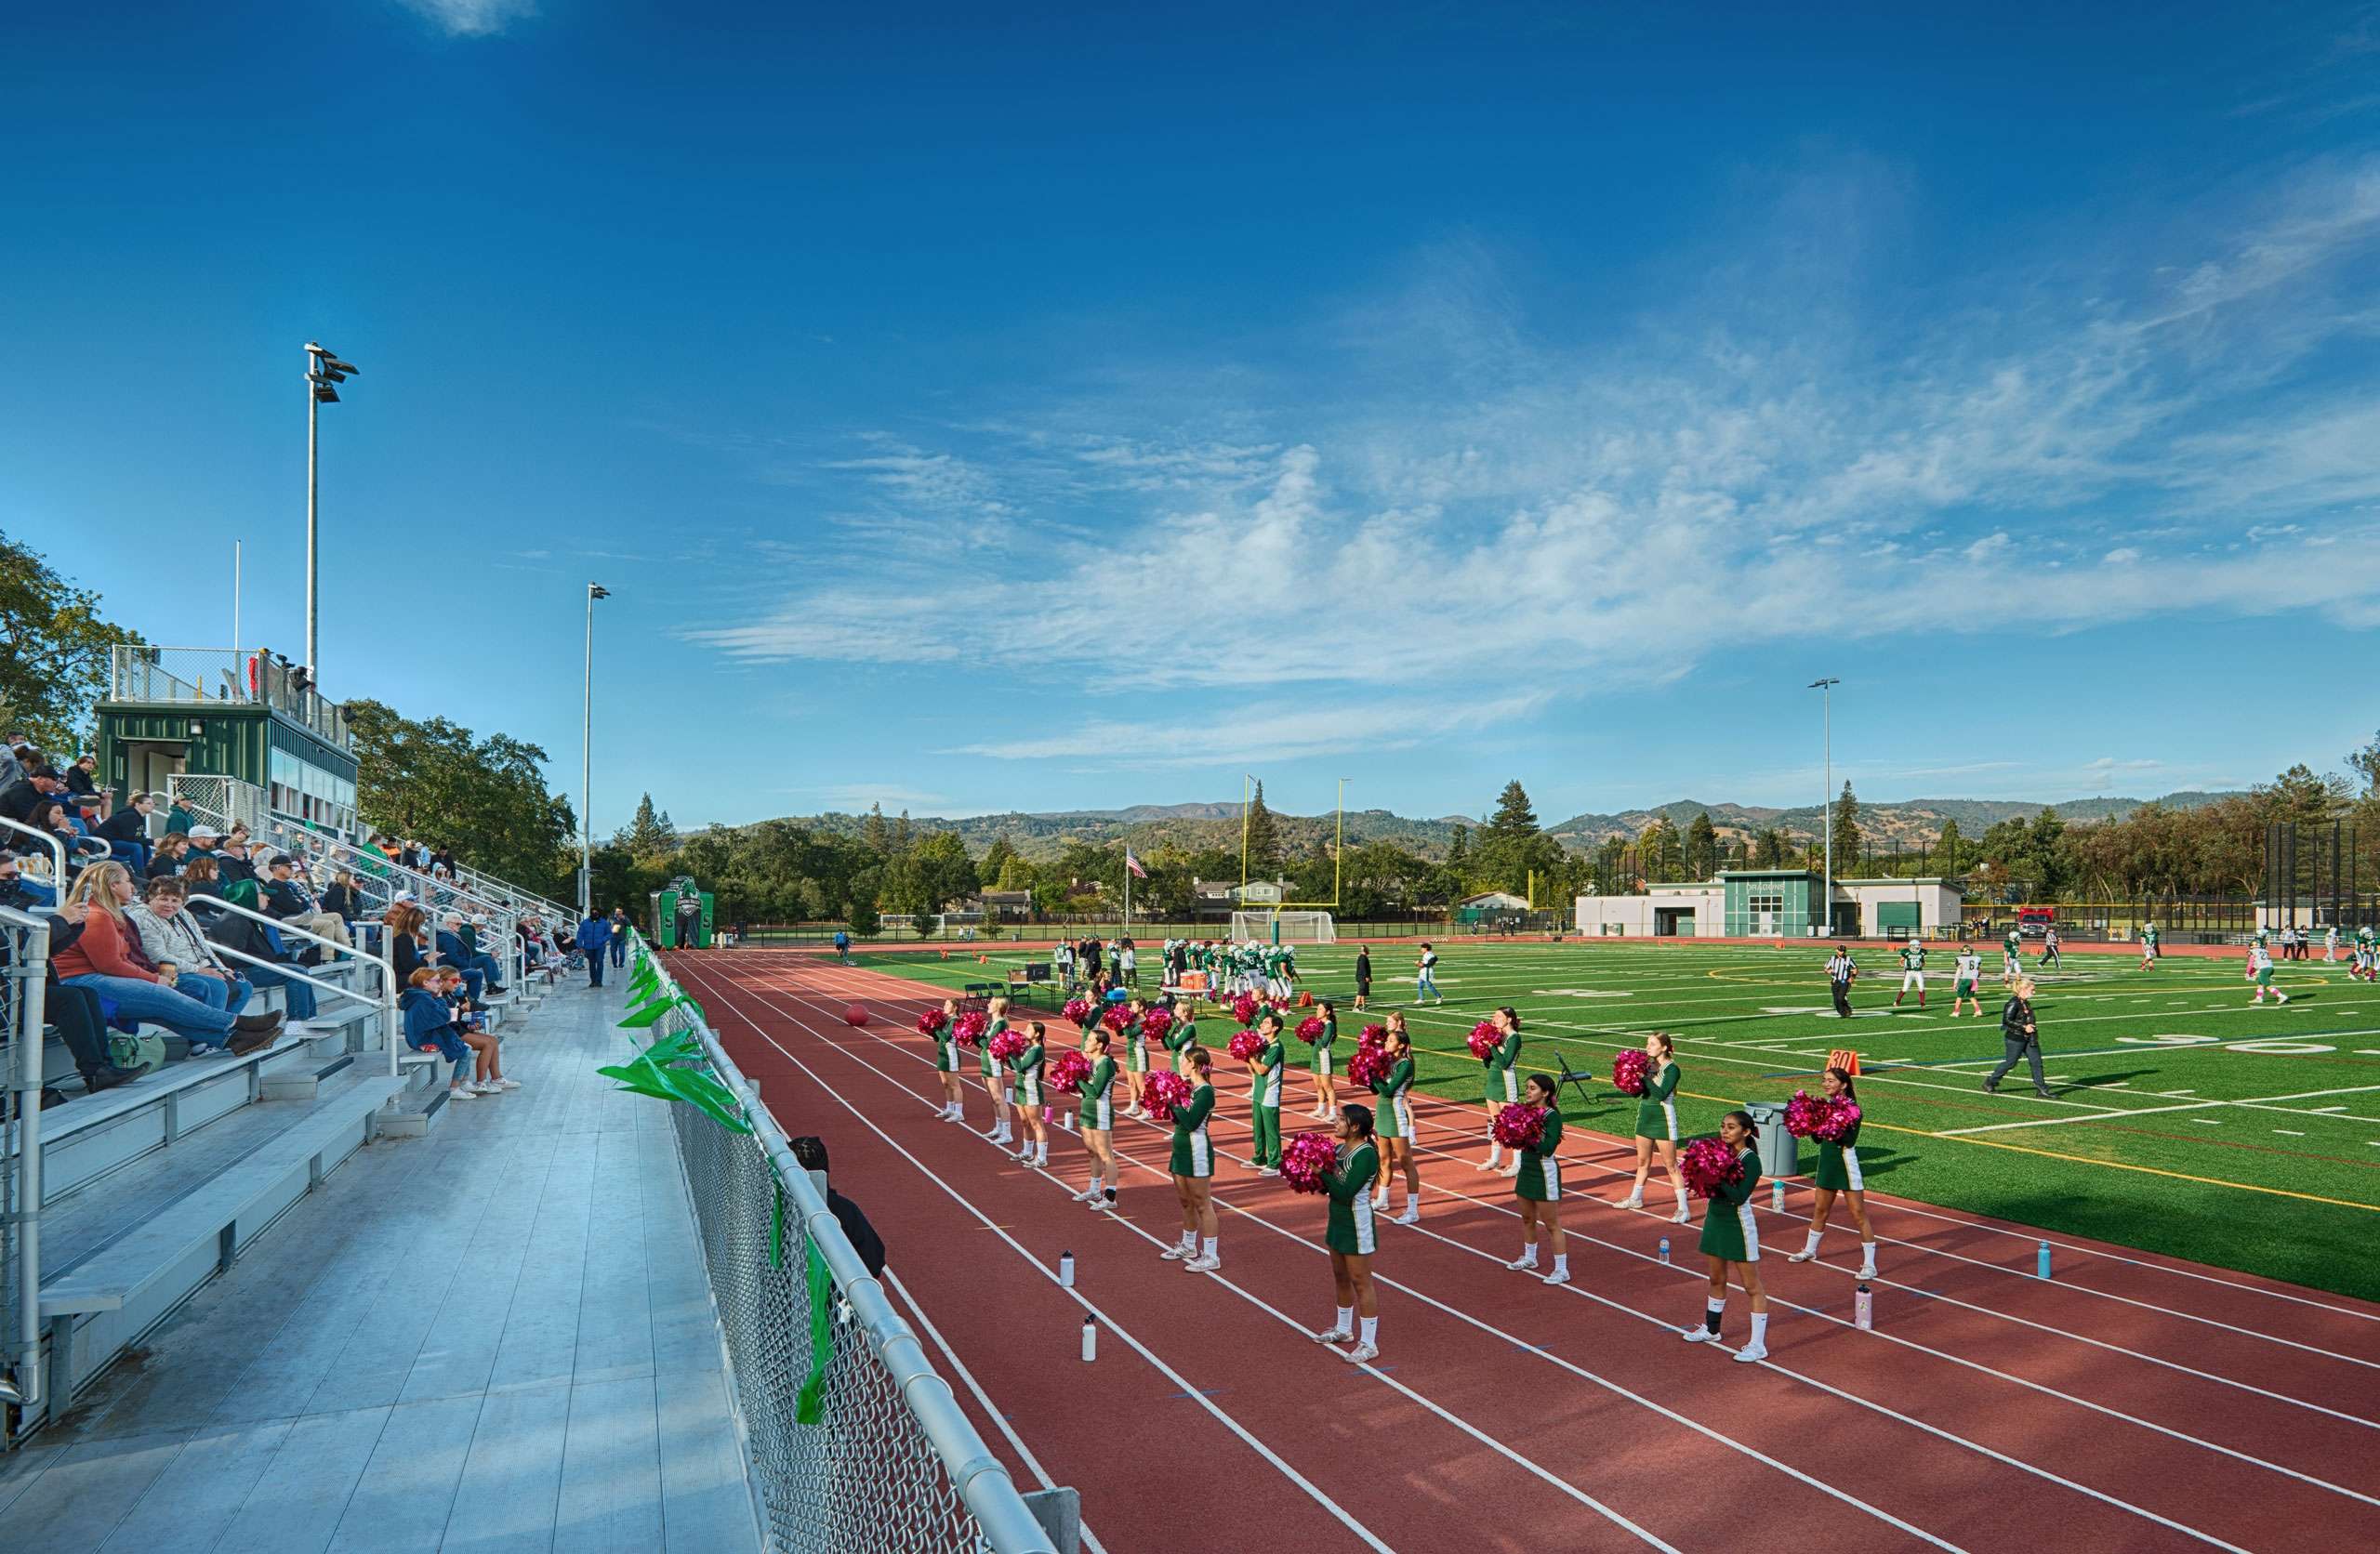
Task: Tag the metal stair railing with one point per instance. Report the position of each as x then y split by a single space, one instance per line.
379 879
385 964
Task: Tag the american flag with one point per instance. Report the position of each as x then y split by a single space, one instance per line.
1134 864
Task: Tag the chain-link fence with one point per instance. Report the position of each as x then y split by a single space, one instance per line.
24 942
891 1463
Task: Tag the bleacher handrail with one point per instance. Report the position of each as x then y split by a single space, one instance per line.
1004 1524
21 1203
59 881
365 863
388 1030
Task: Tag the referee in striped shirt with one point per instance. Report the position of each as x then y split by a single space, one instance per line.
1840 970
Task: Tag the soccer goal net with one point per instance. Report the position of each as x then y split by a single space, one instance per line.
1295 927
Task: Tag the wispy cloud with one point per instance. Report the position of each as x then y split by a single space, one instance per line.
1263 731
473 19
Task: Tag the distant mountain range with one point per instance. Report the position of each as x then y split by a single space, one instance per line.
1150 826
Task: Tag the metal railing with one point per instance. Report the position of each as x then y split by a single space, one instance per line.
51 842
892 1464
389 1031
143 672
24 955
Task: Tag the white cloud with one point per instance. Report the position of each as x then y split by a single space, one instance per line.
1264 732
473 19
2122 555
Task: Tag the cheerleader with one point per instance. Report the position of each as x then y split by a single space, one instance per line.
1181 1036
1323 1068
946 1062
1002 1131
1027 1072
1656 1125
1193 1165
1352 1238
1839 1172
1136 1055
1730 1236
1538 1185
1503 1083
1098 1118
1396 1122
1265 1091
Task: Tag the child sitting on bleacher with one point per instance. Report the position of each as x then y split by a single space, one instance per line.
431 1026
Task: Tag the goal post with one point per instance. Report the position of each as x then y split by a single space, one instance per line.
1285 926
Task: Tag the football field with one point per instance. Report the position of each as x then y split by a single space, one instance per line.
2183 1119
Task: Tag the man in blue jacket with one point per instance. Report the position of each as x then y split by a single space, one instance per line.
480 971
594 933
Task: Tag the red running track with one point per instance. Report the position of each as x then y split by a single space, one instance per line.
2132 1402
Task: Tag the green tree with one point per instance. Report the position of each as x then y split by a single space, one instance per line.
875 833
56 662
941 870
486 798
649 833
903 837
2367 762
1513 815
864 920
1701 848
1459 851
1662 851
1262 848
1846 832
996 861
1950 851
1771 851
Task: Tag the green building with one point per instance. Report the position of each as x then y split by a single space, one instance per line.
228 713
1775 904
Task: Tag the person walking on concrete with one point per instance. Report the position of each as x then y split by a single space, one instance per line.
2020 1038
594 934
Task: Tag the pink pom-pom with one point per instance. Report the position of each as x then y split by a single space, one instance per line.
1519 1126
930 1022
1837 1117
1304 1160
1485 1038
1155 1024
1310 1029
1707 1164
1244 1008
1629 1070
1080 1011
1801 1114
854 1014
971 1026
1372 1035
1069 1070
1115 1017
1368 1065
1009 1045
1246 1044
1161 1092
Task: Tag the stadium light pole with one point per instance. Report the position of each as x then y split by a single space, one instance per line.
587 761
324 372
1825 688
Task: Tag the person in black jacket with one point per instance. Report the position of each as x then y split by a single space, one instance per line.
811 1153
2020 1038
127 833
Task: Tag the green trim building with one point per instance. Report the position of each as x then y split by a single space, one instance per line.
1775 904
224 712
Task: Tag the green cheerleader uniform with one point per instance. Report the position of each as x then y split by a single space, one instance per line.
1655 1113
1503 1083
1098 1109
1350 1232
991 1064
1181 1038
1265 1100
1839 1163
1728 1230
945 1047
1320 1065
1540 1174
1193 1154
1396 1111
1027 1072
1136 1047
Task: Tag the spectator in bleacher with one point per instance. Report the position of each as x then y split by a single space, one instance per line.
233 857
17 890
12 768
38 785
258 941
127 833
443 858
205 842
179 817
289 899
81 846
408 928
594 934
172 848
168 933
101 960
810 1154
82 1025
202 873
82 776
341 899
480 971
430 1027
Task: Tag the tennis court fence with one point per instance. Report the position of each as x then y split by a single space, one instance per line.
882 1458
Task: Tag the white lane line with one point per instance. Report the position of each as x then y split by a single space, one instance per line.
976 1390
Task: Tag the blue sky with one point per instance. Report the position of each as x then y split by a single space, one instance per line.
1070 408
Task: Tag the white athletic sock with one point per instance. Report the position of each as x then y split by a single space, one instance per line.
1189 1240
1371 1329
1561 1262
1760 1330
1712 1309
1095 1183
1345 1322
1868 1255
1207 1248
1529 1255
1814 1241
1495 1153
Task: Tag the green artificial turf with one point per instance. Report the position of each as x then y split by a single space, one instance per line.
2186 1121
